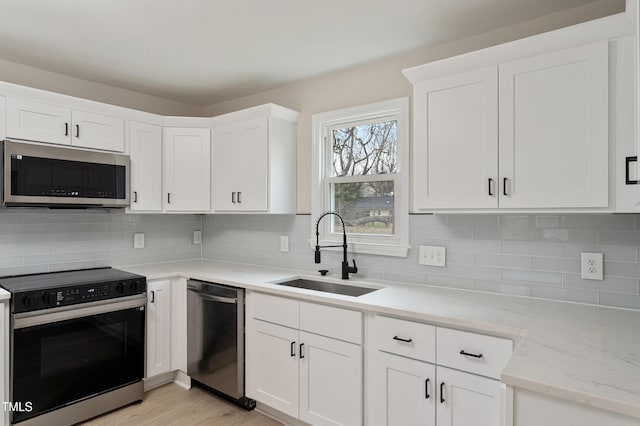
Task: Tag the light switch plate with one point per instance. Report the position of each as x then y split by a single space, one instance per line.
197 237
592 266
284 243
138 240
432 255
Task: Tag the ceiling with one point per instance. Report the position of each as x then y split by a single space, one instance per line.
205 51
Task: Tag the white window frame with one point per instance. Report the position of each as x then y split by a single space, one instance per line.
395 109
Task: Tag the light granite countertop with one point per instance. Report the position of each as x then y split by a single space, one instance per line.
4 294
582 353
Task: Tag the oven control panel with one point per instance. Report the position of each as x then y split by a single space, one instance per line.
53 298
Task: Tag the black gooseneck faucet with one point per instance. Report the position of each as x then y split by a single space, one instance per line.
346 269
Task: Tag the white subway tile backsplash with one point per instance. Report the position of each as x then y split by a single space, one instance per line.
526 255
620 300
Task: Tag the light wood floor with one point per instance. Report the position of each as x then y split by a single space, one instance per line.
172 405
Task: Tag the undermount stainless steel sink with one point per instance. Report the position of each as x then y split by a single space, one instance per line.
345 289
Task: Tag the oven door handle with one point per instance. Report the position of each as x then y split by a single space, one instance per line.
48 316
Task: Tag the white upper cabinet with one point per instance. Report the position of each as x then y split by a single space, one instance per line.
41 122
240 153
38 122
527 134
145 150
97 131
254 161
3 118
554 129
187 169
455 150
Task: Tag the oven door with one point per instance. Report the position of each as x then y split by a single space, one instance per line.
64 355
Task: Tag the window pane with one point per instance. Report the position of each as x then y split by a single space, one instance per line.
366 207
366 149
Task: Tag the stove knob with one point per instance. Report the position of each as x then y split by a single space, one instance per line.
46 298
120 287
26 301
134 286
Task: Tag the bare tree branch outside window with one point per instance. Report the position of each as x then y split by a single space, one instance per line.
365 150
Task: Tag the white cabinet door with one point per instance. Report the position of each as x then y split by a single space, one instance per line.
38 122
158 327
252 155
145 150
272 366
240 157
465 399
187 169
330 381
455 144
404 391
554 111
97 131
224 168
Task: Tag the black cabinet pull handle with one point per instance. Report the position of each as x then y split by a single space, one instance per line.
239 201
402 340
442 393
135 196
504 186
77 130
426 389
168 198
153 296
233 197
66 129
301 350
462 352
628 162
490 187
293 348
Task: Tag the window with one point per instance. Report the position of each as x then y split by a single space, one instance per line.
360 165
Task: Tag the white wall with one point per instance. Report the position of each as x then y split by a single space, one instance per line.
40 79
383 80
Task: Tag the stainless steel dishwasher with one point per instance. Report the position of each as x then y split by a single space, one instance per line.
215 339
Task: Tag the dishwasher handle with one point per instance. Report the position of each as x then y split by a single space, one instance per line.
210 298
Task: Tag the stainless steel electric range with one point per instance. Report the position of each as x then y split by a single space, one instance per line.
77 344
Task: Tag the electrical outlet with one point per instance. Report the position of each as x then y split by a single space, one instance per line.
138 240
197 237
592 266
284 243
433 255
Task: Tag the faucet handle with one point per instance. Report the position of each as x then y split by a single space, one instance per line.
353 269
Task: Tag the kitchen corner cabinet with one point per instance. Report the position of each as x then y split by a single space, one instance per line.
186 169
158 327
254 161
527 134
40 122
145 151
305 359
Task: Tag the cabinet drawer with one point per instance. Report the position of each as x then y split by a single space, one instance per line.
338 323
278 310
391 335
476 353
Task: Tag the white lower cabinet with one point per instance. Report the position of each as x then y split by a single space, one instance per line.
158 327
404 391
272 367
421 391
330 381
308 376
466 399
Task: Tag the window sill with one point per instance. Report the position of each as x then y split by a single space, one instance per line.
365 248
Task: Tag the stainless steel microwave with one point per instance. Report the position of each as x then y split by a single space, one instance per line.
39 175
